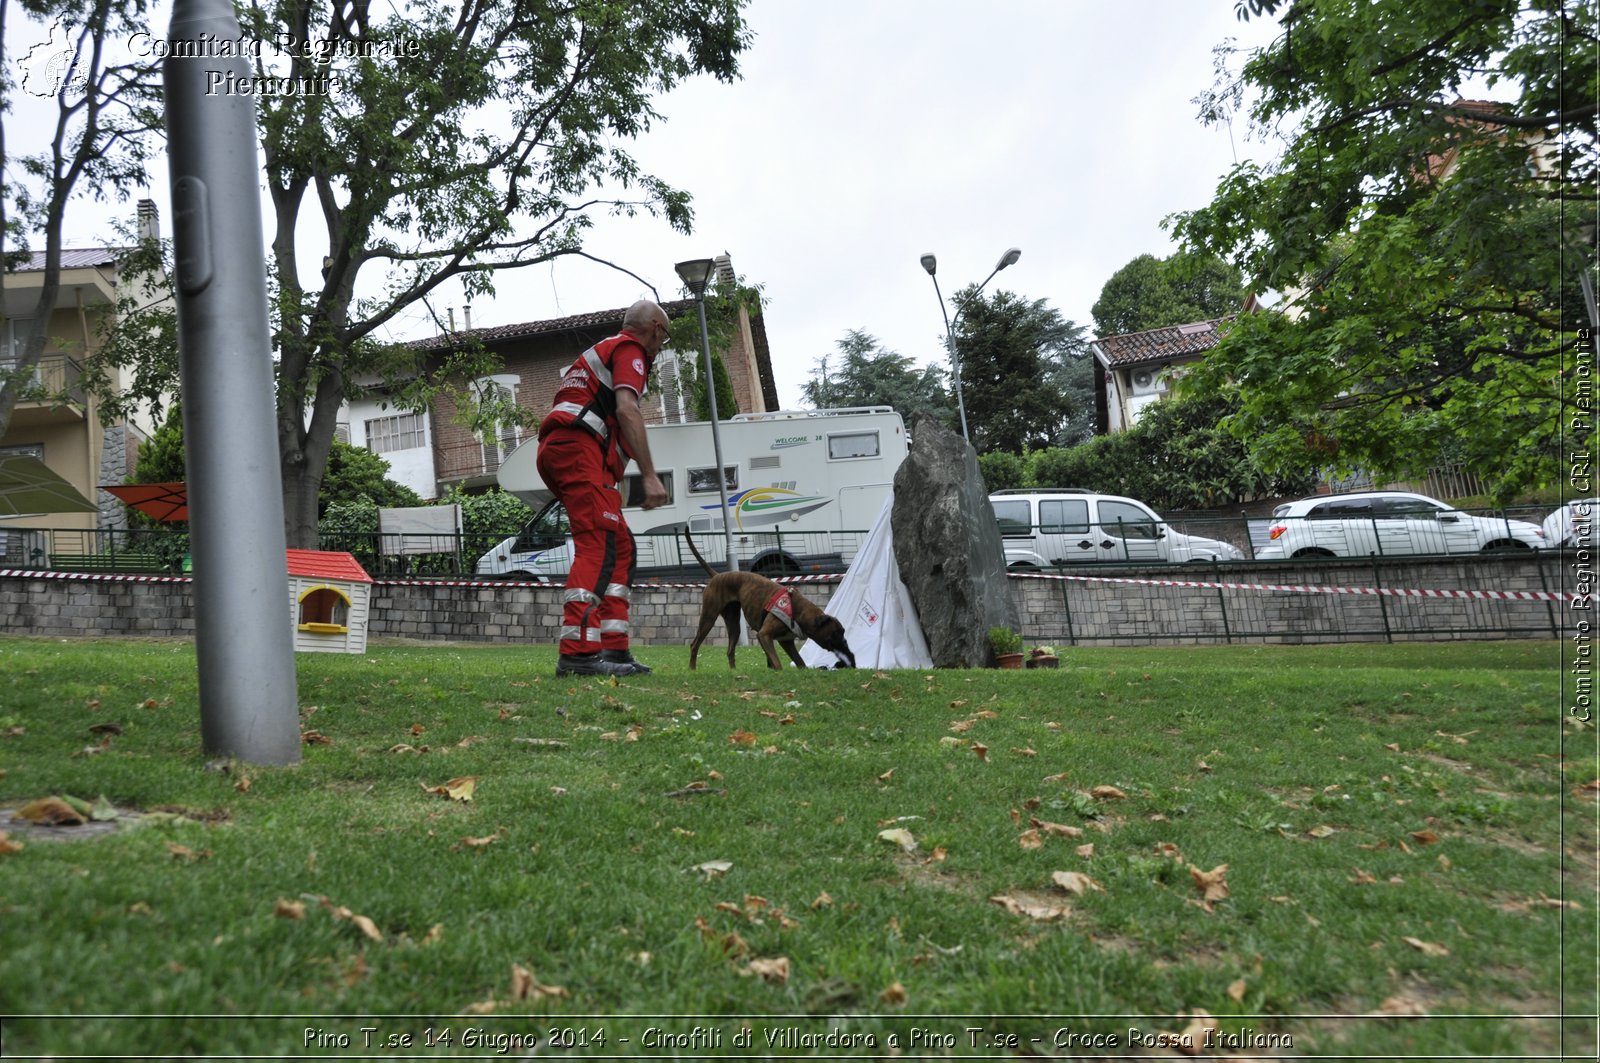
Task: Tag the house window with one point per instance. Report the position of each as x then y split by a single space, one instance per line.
404 431
499 435
13 330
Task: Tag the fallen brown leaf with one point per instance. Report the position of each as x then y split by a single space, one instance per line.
287 909
1107 793
525 987
1030 839
1210 884
773 969
1076 882
1427 948
50 812
9 846
894 995
1056 830
1030 908
742 738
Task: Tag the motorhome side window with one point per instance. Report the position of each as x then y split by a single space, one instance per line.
853 445
704 481
633 490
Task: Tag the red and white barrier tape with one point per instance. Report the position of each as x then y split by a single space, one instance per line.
1578 600
93 577
1390 592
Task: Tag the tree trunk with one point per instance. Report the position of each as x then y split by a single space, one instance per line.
300 490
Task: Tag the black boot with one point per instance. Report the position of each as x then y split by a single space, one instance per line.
626 658
589 664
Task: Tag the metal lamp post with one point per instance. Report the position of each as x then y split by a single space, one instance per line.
695 274
931 264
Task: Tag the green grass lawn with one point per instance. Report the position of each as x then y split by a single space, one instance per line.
1364 850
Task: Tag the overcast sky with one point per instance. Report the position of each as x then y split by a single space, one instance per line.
866 133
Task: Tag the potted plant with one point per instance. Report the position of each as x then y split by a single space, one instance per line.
1043 657
1007 647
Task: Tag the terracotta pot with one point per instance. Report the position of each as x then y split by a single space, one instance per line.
1008 660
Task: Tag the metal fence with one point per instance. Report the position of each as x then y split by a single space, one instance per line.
1498 596
663 556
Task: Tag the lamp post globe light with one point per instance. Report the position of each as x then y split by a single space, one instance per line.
695 274
931 264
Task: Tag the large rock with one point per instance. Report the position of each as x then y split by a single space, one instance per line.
948 549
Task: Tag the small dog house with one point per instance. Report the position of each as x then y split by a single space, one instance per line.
329 595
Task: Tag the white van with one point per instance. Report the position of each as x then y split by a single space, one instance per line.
803 486
1050 527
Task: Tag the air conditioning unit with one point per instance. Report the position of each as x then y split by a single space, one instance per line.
1145 381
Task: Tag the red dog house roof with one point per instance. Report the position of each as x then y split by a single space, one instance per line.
327 564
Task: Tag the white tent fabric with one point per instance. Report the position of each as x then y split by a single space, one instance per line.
880 623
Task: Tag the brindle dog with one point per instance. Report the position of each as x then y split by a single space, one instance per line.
764 604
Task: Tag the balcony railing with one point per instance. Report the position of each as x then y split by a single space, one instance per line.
466 461
56 380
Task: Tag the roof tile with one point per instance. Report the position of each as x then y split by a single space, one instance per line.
1161 344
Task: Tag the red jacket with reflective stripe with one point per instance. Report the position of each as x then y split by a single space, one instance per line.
587 396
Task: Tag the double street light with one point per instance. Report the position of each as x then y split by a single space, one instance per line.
696 274
931 264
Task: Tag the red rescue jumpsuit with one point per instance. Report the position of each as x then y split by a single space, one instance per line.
581 460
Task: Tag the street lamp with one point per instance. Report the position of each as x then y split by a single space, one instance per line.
695 274
931 264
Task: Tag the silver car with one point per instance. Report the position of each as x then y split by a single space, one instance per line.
1049 527
1388 524
1573 524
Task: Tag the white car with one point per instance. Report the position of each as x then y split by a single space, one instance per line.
1573 524
1388 524
1047 528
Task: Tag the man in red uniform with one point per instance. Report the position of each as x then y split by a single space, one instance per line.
585 442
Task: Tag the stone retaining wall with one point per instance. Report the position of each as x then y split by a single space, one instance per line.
1128 606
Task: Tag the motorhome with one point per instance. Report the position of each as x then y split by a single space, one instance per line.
803 488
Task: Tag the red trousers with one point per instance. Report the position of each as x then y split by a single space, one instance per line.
594 611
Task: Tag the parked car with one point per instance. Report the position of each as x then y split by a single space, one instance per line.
1573 524
1389 523
1047 528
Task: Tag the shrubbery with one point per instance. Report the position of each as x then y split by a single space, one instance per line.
1177 457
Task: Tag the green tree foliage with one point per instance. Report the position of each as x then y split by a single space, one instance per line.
495 512
1002 471
355 472
1429 247
1177 457
1012 353
863 372
1151 292
486 146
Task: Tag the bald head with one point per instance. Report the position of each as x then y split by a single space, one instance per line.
641 315
648 322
